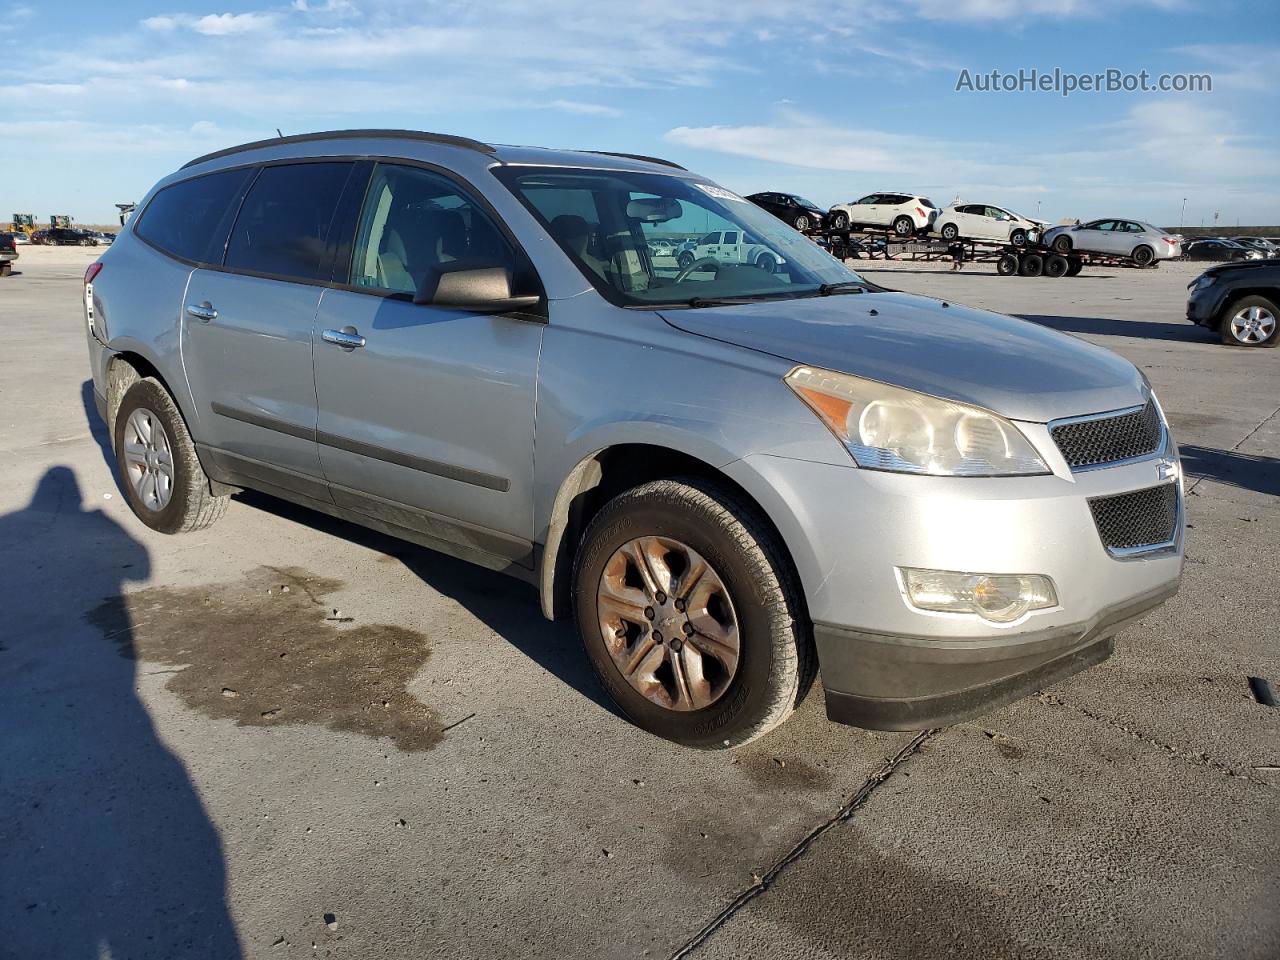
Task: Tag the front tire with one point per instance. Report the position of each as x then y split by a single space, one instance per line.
801 223
1062 244
163 481
950 231
840 221
1018 237
690 615
767 263
1251 322
684 260
904 227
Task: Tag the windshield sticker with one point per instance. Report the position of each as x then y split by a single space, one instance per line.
720 193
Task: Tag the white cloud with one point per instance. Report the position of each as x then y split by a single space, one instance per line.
586 109
222 24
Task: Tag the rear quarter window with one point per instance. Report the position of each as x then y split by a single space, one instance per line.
191 219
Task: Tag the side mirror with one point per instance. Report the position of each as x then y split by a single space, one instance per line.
468 287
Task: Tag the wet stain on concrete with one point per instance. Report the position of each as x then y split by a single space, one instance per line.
269 651
771 773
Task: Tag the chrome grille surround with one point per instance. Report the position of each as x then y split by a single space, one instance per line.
1111 438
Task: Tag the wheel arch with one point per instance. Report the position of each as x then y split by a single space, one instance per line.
130 362
1229 300
599 477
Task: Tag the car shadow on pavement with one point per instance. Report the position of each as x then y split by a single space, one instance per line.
105 846
509 607
1140 329
1243 470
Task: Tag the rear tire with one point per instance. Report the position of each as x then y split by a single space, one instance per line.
1032 265
180 501
1144 256
1007 265
950 231
904 227
775 661
1056 266
1062 245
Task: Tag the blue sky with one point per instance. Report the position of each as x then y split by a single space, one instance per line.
831 100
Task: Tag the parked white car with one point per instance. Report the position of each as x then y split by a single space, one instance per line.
729 246
904 213
981 221
1140 242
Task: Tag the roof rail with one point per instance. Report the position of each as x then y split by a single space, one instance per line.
463 142
636 156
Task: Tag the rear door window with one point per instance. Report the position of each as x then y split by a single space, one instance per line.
284 222
190 219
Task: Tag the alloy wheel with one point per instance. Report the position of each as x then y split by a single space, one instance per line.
148 456
669 623
1253 325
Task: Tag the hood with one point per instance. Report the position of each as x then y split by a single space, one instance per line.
1018 369
1236 265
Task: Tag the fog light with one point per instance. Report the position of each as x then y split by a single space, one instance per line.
998 597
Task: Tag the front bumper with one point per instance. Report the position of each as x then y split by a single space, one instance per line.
1204 305
886 664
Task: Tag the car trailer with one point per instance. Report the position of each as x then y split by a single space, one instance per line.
1028 259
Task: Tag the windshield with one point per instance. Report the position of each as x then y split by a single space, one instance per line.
649 239
807 203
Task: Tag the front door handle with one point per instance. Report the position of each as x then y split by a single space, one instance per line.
203 312
347 337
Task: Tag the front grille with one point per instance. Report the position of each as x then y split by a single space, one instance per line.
1099 440
1143 518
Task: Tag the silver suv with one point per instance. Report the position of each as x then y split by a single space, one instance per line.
731 474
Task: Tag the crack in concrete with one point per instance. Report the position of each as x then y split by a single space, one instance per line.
1240 443
1192 759
843 815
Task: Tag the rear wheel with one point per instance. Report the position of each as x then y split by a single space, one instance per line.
950 231
1062 244
1032 265
1007 265
1143 256
163 481
1056 265
1251 322
690 615
904 227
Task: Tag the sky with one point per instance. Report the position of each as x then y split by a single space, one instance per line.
830 100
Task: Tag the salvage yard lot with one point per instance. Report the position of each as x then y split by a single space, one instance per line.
286 736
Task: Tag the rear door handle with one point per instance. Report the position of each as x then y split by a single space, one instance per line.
203 312
347 337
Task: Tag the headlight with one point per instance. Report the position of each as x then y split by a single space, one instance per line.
889 428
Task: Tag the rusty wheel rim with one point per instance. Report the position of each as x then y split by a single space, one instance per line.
668 623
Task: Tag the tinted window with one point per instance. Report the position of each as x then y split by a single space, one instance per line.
415 221
730 238
868 199
283 226
190 219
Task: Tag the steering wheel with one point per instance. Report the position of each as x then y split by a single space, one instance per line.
697 264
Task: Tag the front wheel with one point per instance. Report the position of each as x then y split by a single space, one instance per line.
1251 322
1018 238
801 223
950 231
767 263
684 260
690 615
1062 244
903 227
840 221
163 481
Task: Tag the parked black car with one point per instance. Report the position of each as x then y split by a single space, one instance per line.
1238 300
1219 250
804 215
8 253
66 237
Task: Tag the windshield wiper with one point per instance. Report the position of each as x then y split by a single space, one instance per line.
731 301
844 286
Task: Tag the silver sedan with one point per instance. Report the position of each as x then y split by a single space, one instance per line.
1141 242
